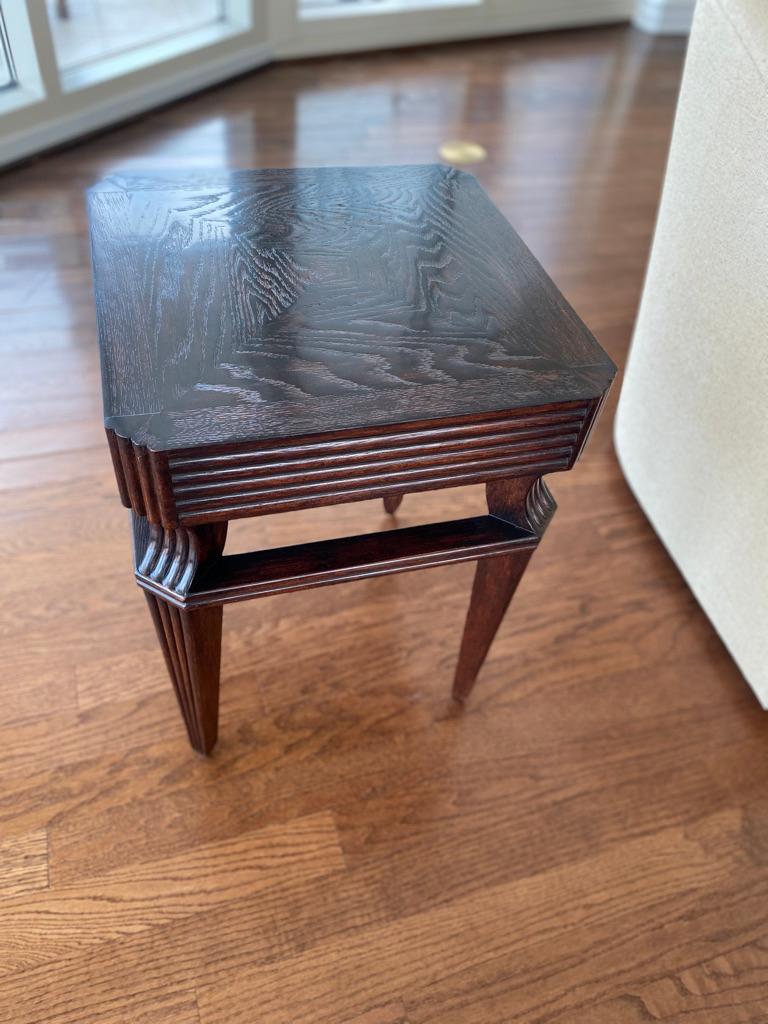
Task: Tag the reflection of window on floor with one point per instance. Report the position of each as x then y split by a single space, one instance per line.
7 70
90 30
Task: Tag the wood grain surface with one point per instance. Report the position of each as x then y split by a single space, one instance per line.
586 843
310 300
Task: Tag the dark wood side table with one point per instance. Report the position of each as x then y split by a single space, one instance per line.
281 339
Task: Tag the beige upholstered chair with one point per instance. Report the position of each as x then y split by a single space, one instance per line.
692 425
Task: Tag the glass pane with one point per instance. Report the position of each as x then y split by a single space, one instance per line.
89 30
7 70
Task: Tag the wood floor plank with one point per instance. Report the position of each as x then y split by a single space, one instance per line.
729 987
633 971
40 689
112 978
23 863
108 680
347 745
38 928
285 766
158 1006
276 925
36 441
340 978
391 1013
51 410
43 469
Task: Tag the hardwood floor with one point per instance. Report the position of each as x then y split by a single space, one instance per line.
586 842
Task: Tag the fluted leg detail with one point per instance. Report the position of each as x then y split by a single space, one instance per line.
191 643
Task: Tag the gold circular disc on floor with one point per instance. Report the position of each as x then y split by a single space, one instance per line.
460 151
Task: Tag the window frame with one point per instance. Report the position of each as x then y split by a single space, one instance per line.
46 108
7 54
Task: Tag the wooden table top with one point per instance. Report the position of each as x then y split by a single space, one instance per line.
254 306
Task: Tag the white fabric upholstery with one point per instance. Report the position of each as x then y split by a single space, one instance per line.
692 424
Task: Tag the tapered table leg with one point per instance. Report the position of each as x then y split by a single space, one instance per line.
190 638
526 502
392 503
496 580
191 643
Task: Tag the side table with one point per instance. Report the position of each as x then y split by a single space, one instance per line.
282 339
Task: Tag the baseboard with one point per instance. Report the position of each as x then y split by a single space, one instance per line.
353 34
664 17
106 112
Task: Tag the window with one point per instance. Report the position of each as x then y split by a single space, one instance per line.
80 65
7 69
85 31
